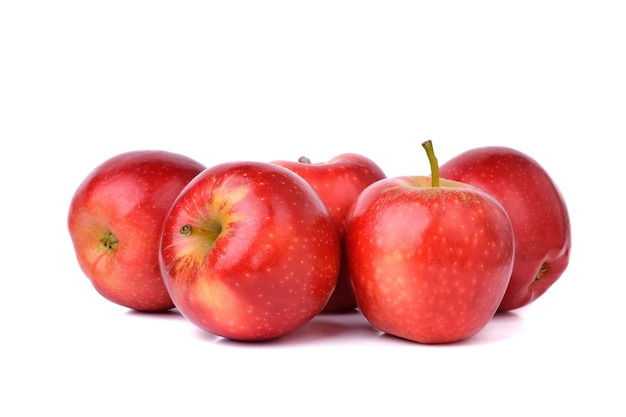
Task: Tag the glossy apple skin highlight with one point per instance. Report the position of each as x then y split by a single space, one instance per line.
428 264
273 263
128 196
338 182
537 210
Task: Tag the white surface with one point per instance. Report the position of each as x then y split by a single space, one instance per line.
81 82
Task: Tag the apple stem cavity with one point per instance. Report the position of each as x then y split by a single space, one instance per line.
211 235
304 160
434 165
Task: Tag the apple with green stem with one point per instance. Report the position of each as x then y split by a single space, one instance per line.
537 210
429 258
249 251
115 219
338 182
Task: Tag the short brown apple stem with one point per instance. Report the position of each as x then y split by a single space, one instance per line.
304 160
434 165
187 230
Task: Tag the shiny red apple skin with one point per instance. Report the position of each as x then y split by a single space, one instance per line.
428 264
537 210
128 197
275 260
338 182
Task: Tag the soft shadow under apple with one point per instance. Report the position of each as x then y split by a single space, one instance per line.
172 314
328 327
503 326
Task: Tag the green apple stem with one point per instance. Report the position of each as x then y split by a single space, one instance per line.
188 230
434 165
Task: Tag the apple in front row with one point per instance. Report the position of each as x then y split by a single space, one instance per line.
115 219
429 258
338 182
537 210
249 251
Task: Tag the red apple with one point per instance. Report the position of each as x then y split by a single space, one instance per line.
429 259
537 210
115 221
249 251
338 182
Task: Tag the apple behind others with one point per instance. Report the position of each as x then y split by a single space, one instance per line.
537 210
338 182
115 220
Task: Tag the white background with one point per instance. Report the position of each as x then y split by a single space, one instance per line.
220 81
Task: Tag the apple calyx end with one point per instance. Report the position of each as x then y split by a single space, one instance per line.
541 271
108 242
304 160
